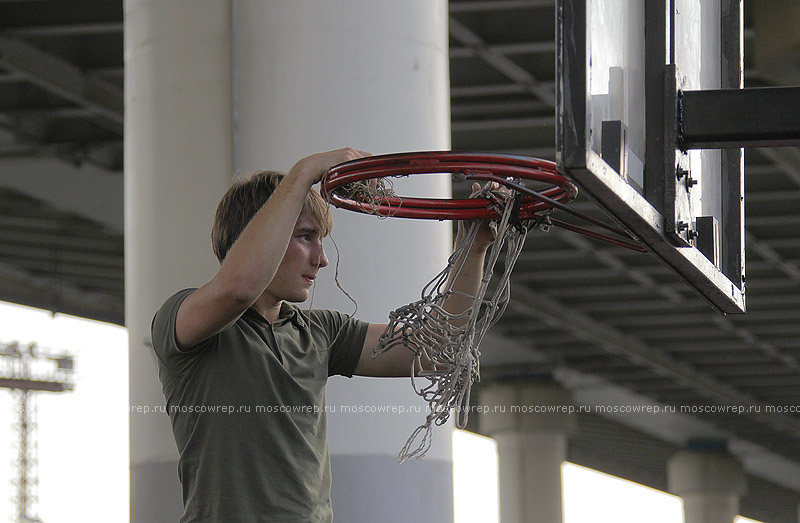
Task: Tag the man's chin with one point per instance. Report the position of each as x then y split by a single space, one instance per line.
298 298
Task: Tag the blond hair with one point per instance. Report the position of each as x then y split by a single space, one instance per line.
243 200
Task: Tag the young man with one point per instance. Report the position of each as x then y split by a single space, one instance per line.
243 371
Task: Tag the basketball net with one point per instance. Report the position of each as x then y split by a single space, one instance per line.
445 344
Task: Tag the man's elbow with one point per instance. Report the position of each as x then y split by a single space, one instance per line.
238 292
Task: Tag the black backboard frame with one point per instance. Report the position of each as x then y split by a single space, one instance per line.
653 217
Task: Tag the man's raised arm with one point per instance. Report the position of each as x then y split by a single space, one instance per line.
253 260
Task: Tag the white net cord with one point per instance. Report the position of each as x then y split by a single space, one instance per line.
446 345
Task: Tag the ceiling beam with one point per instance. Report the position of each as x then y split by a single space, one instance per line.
49 112
497 5
64 79
56 256
49 223
635 308
771 256
547 47
464 91
774 220
782 243
463 110
611 260
70 152
89 242
721 322
24 288
605 291
10 77
787 159
545 153
67 29
502 123
772 196
640 353
108 73
500 62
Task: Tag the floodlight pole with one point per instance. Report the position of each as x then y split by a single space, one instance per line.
28 369
26 481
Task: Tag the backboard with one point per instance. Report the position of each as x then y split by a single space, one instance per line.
622 69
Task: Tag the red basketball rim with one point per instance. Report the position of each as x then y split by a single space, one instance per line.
488 167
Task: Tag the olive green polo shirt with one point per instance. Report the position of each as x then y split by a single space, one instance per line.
247 408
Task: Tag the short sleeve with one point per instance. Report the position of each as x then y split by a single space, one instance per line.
345 336
162 331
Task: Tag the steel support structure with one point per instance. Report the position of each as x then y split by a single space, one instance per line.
733 118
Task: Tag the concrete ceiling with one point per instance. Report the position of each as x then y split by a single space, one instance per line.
613 326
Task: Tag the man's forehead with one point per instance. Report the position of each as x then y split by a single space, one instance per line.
306 222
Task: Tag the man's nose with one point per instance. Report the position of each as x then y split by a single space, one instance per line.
322 260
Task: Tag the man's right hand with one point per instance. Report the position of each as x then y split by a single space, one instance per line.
313 168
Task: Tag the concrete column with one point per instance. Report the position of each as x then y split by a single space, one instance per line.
216 87
710 483
177 165
372 74
531 429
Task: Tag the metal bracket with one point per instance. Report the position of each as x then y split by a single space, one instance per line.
733 118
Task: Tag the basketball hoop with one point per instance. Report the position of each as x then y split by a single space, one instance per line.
445 345
505 169
484 167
